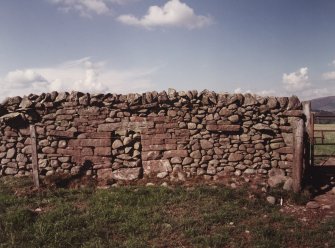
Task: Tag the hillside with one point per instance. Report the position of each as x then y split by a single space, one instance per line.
324 104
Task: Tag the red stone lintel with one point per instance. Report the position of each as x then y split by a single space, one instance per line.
156 136
66 134
90 142
223 128
152 142
125 125
69 152
285 150
98 135
167 125
153 130
53 155
159 147
171 141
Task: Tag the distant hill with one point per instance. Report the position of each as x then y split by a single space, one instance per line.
324 104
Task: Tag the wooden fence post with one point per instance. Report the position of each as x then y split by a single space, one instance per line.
34 156
307 112
298 155
309 127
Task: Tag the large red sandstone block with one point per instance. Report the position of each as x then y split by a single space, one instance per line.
65 134
159 147
152 142
158 119
156 136
68 151
153 130
86 151
90 142
103 151
172 141
125 125
167 125
98 135
109 127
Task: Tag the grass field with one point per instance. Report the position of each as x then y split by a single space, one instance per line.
329 137
150 217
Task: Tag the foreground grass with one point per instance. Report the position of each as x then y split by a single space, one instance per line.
151 217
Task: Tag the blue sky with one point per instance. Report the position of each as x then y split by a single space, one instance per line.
271 47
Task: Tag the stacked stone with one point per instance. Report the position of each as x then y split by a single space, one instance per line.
169 134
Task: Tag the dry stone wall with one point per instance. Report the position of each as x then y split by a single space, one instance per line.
172 135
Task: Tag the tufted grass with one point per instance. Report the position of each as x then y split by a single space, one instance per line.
202 216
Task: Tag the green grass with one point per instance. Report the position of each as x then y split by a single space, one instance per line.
151 217
329 137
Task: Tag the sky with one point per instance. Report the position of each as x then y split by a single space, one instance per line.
266 47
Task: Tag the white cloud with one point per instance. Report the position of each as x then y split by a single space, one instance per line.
83 7
23 77
173 14
296 81
329 75
313 93
88 7
241 91
258 92
79 75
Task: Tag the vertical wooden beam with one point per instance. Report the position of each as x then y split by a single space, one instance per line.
308 141
312 140
306 106
34 156
298 155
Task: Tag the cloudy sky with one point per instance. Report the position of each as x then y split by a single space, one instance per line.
277 47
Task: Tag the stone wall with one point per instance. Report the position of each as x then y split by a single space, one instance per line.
172 135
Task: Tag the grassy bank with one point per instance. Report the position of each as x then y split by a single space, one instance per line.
150 217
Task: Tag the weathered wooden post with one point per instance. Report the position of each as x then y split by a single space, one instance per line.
306 106
34 156
298 155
